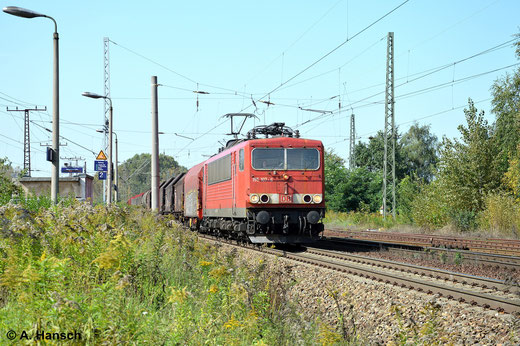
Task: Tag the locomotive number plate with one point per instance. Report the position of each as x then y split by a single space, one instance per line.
285 198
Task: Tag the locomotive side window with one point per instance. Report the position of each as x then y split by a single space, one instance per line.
303 159
267 158
241 160
219 170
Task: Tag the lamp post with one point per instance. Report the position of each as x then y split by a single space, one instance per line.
116 185
24 13
109 178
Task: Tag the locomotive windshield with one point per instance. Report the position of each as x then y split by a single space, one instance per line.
289 158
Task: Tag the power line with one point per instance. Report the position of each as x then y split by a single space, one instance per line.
296 41
413 120
333 50
410 94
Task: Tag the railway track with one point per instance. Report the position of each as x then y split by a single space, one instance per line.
510 263
488 293
492 245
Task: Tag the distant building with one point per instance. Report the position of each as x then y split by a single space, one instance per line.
79 186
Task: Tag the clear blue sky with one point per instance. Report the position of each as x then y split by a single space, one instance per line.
238 50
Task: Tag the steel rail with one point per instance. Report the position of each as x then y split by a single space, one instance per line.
434 273
493 245
494 260
462 295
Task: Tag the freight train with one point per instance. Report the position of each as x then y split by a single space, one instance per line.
264 190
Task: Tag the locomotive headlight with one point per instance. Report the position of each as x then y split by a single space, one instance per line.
254 198
286 177
317 199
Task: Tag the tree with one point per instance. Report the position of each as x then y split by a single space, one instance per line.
467 168
350 190
8 188
416 153
335 174
361 190
135 173
506 107
370 155
420 152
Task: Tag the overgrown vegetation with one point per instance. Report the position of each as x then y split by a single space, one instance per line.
120 275
467 183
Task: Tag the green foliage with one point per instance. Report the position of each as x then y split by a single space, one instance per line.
362 220
468 168
335 174
135 176
506 107
501 214
416 153
463 220
8 189
511 178
370 155
420 151
407 190
119 275
429 208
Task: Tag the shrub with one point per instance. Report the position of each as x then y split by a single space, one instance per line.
501 214
429 208
464 220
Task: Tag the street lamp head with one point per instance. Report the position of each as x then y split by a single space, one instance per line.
92 95
100 131
22 12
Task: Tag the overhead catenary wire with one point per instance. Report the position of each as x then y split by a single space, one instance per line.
333 50
414 120
413 93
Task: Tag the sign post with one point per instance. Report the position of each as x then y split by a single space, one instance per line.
101 166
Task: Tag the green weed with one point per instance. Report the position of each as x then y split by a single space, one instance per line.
119 275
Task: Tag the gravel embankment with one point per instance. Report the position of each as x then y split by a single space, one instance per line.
383 313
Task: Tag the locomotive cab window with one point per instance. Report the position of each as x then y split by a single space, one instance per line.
300 158
266 158
290 159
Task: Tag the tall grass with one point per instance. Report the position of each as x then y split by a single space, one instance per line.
501 215
362 220
120 275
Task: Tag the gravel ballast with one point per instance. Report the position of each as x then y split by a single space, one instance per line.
380 313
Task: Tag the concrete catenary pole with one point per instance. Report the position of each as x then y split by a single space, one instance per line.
155 146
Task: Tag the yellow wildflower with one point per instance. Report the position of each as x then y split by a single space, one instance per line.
205 263
232 323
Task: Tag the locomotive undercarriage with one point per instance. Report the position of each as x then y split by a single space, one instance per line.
268 226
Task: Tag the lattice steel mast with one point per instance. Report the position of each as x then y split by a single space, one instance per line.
27 137
352 154
106 64
389 126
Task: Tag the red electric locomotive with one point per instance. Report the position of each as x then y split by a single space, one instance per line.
267 190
